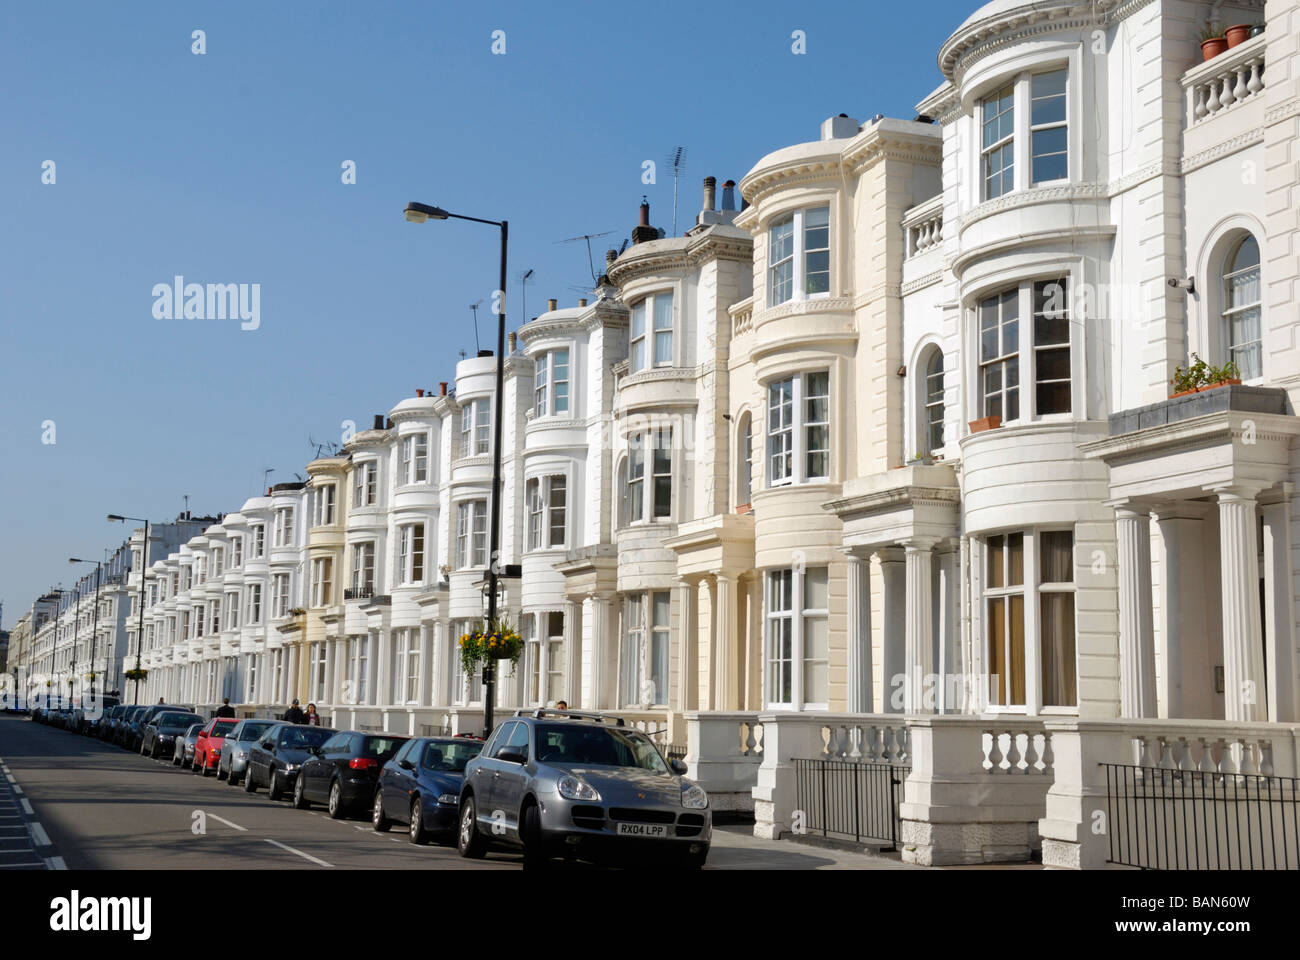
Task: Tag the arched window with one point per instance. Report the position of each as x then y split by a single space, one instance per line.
931 402
1242 336
744 461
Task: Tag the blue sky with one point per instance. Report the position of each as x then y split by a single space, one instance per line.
225 168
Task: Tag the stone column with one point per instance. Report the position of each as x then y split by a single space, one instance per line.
893 660
951 672
425 661
1137 653
1243 654
754 645
1279 620
603 667
572 653
724 656
1183 644
687 680
919 626
858 695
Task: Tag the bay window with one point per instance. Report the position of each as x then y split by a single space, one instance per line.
415 458
259 540
651 342
410 553
363 569
1048 130
279 595
797 637
284 527
236 552
546 498
799 265
798 429
316 672
322 582
254 603
1025 123
1029 619
652 467
324 505
232 610
471 534
406 667
998 149
365 480
644 677
1046 342
551 384
474 428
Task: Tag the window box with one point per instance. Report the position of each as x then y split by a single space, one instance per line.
985 423
1209 386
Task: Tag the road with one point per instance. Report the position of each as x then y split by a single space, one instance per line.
103 808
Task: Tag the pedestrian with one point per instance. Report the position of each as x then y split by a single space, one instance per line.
294 714
313 717
225 710
161 700
561 705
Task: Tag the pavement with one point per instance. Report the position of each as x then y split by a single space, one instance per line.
92 806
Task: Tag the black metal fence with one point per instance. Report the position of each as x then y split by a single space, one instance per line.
1160 819
850 800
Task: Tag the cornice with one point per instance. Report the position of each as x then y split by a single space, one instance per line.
1069 192
794 174
1220 150
636 263
1282 111
920 283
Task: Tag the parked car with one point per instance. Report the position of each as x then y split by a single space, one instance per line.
124 735
104 729
420 786
207 748
94 717
161 731
149 712
344 771
582 785
184 755
274 760
234 749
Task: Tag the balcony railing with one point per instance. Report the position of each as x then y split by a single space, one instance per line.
1226 80
742 317
923 226
358 593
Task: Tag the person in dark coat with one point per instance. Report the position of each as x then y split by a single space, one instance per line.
225 710
294 714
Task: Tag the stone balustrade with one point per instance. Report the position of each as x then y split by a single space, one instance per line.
742 317
724 751
1228 79
923 227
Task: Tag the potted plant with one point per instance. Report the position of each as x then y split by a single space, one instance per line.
136 673
1200 376
1237 33
985 423
1213 43
499 642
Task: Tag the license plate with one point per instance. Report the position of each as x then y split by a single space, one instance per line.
642 830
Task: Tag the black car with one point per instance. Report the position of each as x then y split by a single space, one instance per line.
161 731
94 717
421 785
104 729
344 772
274 760
145 716
125 730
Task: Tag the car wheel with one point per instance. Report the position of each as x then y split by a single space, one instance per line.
300 800
153 752
250 784
336 801
274 790
530 832
176 761
204 768
232 778
419 835
469 842
377 818
693 861
221 774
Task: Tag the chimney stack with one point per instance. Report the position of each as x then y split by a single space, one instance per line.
550 304
643 231
419 392
379 421
582 301
710 192
645 212
442 388
729 195
511 340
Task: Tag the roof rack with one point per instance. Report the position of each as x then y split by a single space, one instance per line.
542 712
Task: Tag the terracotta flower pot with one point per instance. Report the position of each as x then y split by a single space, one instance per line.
985 423
1237 33
1213 47
1221 383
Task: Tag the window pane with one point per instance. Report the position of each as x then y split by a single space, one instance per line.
996 548
1052 397
1016 642
1057 636
1016 559
997 667
663 311
1056 549
1048 93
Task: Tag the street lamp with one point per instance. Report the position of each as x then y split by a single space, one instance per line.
94 630
419 213
144 561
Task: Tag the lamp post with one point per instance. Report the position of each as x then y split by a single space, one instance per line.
419 213
94 630
144 562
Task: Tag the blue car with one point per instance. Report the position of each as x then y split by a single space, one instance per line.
420 786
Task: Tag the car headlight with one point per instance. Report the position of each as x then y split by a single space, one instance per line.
449 799
239 754
694 797
290 767
574 789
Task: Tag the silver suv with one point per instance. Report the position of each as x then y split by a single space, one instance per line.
581 785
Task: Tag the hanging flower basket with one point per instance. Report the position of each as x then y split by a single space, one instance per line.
138 673
499 642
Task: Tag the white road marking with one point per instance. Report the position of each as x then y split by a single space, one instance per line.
227 822
27 807
55 863
10 777
39 836
305 856
360 826
18 790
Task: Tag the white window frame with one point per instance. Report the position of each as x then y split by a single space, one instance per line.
795 430
475 423
363 567
365 486
800 252
471 527
412 552
645 448
549 376
280 585
259 540
543 511
796 616
1229 309
1027 349
326 497
415 458
284 527
254 604
322 581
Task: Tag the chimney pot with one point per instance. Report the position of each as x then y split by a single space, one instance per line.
419 392
610 256
710 192
729 195
645 212
379 421
550 304
582 301
442 388
511 340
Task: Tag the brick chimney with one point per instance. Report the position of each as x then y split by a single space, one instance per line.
643 231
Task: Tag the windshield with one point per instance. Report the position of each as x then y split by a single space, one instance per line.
300 738
176 721
449 756
252 731
221 729
193 731
599 746
381 748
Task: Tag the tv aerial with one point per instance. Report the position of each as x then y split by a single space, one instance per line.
677 164
474 307
595 277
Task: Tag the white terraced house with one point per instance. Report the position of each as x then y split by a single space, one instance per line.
874 494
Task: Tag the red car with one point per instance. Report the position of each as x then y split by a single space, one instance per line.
207 748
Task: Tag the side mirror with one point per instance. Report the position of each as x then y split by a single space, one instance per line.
677 767
406 764
512 756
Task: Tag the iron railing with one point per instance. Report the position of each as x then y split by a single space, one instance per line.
1162 819
850 800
